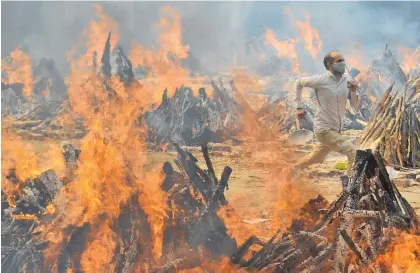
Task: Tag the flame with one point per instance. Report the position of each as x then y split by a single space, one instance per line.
28 217
310 36
308 33
111 162
411 58
96 34
152 200
234 225
285 48
18 155
21 157
164 63
402 254
19 70
100 250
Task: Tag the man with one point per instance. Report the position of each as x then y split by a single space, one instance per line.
332 89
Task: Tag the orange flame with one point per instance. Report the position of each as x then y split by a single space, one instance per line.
411 58
285 48
402 254
97 34
19 71
164 63
309 34
111 163
97 255
22 157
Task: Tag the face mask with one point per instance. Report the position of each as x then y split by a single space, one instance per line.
339 67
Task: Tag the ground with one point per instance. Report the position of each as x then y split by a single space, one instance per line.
258 190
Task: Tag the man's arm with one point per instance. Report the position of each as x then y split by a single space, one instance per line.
354 98
311 82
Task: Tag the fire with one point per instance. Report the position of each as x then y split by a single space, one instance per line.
19 70
111 170
246 82
164 63
20 157
234 224
152 200
96 256
97 33
285 48
411 58
402 254
308 33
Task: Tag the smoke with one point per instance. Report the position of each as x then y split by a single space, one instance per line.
215 31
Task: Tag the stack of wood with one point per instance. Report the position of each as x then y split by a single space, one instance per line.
193 120
280 115
193 195
395 127
53 120
349 236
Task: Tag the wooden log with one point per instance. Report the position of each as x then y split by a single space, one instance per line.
212 175
237 257
211 205
383 104
383 119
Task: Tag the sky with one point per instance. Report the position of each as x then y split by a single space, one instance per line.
214 29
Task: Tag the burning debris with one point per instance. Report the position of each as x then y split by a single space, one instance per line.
41 86
191 120
350 234
53 119
101 209
395 127
193 197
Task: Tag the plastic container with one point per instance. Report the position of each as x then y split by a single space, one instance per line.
341 165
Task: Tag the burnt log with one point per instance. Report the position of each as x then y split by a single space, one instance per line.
369 205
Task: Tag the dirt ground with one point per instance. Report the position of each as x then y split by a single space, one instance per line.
258 190
257 180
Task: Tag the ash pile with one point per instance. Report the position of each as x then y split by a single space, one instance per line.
192 194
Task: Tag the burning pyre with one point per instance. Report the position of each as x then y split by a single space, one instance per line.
99 209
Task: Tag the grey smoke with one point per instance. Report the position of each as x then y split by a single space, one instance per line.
215 31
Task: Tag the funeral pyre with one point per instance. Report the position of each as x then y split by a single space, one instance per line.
395 128
170 222
99 209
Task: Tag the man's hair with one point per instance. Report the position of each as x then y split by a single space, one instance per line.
328 58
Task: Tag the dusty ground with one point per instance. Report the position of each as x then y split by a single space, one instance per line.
258 190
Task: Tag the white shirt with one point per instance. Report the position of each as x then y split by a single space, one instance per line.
332 98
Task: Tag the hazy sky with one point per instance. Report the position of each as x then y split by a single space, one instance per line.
49 29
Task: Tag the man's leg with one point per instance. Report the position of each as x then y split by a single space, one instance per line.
339 143
317 156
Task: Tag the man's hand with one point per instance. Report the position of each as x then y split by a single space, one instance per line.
300 113
352 85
